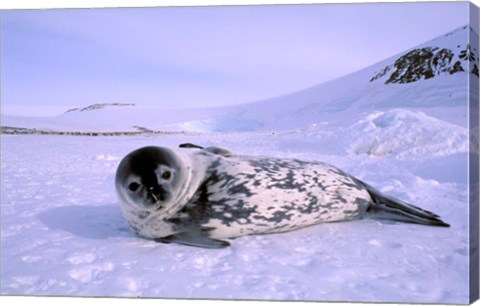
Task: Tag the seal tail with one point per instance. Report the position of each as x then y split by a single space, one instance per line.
385 207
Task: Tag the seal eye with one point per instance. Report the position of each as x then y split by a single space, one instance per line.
166 175
133 186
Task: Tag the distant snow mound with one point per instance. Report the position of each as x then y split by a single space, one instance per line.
406 134
98 106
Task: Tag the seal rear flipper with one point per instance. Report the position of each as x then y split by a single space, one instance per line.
195 240
385 207
213 150
219 151
190 146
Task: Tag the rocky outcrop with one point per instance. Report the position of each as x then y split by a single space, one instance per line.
98 106
7 130
428 62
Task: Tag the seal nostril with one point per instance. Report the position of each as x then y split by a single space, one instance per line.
157 193
162 194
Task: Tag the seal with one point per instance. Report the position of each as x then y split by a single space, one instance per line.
201 196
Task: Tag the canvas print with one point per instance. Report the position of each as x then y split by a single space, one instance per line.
320 152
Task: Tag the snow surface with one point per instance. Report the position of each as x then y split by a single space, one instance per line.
62 232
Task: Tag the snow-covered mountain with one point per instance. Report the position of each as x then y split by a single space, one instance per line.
414 80
430 78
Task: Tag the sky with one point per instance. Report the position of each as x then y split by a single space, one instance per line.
183 57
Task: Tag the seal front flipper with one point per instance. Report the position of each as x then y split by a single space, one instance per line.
194 239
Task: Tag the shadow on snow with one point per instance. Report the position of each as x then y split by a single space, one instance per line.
92 222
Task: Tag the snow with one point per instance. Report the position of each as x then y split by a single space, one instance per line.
421 135
62 232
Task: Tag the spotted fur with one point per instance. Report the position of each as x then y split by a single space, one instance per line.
248 195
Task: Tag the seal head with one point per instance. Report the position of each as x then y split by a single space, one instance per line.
148 178
154 184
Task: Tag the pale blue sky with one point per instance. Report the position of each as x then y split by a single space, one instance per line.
200 56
